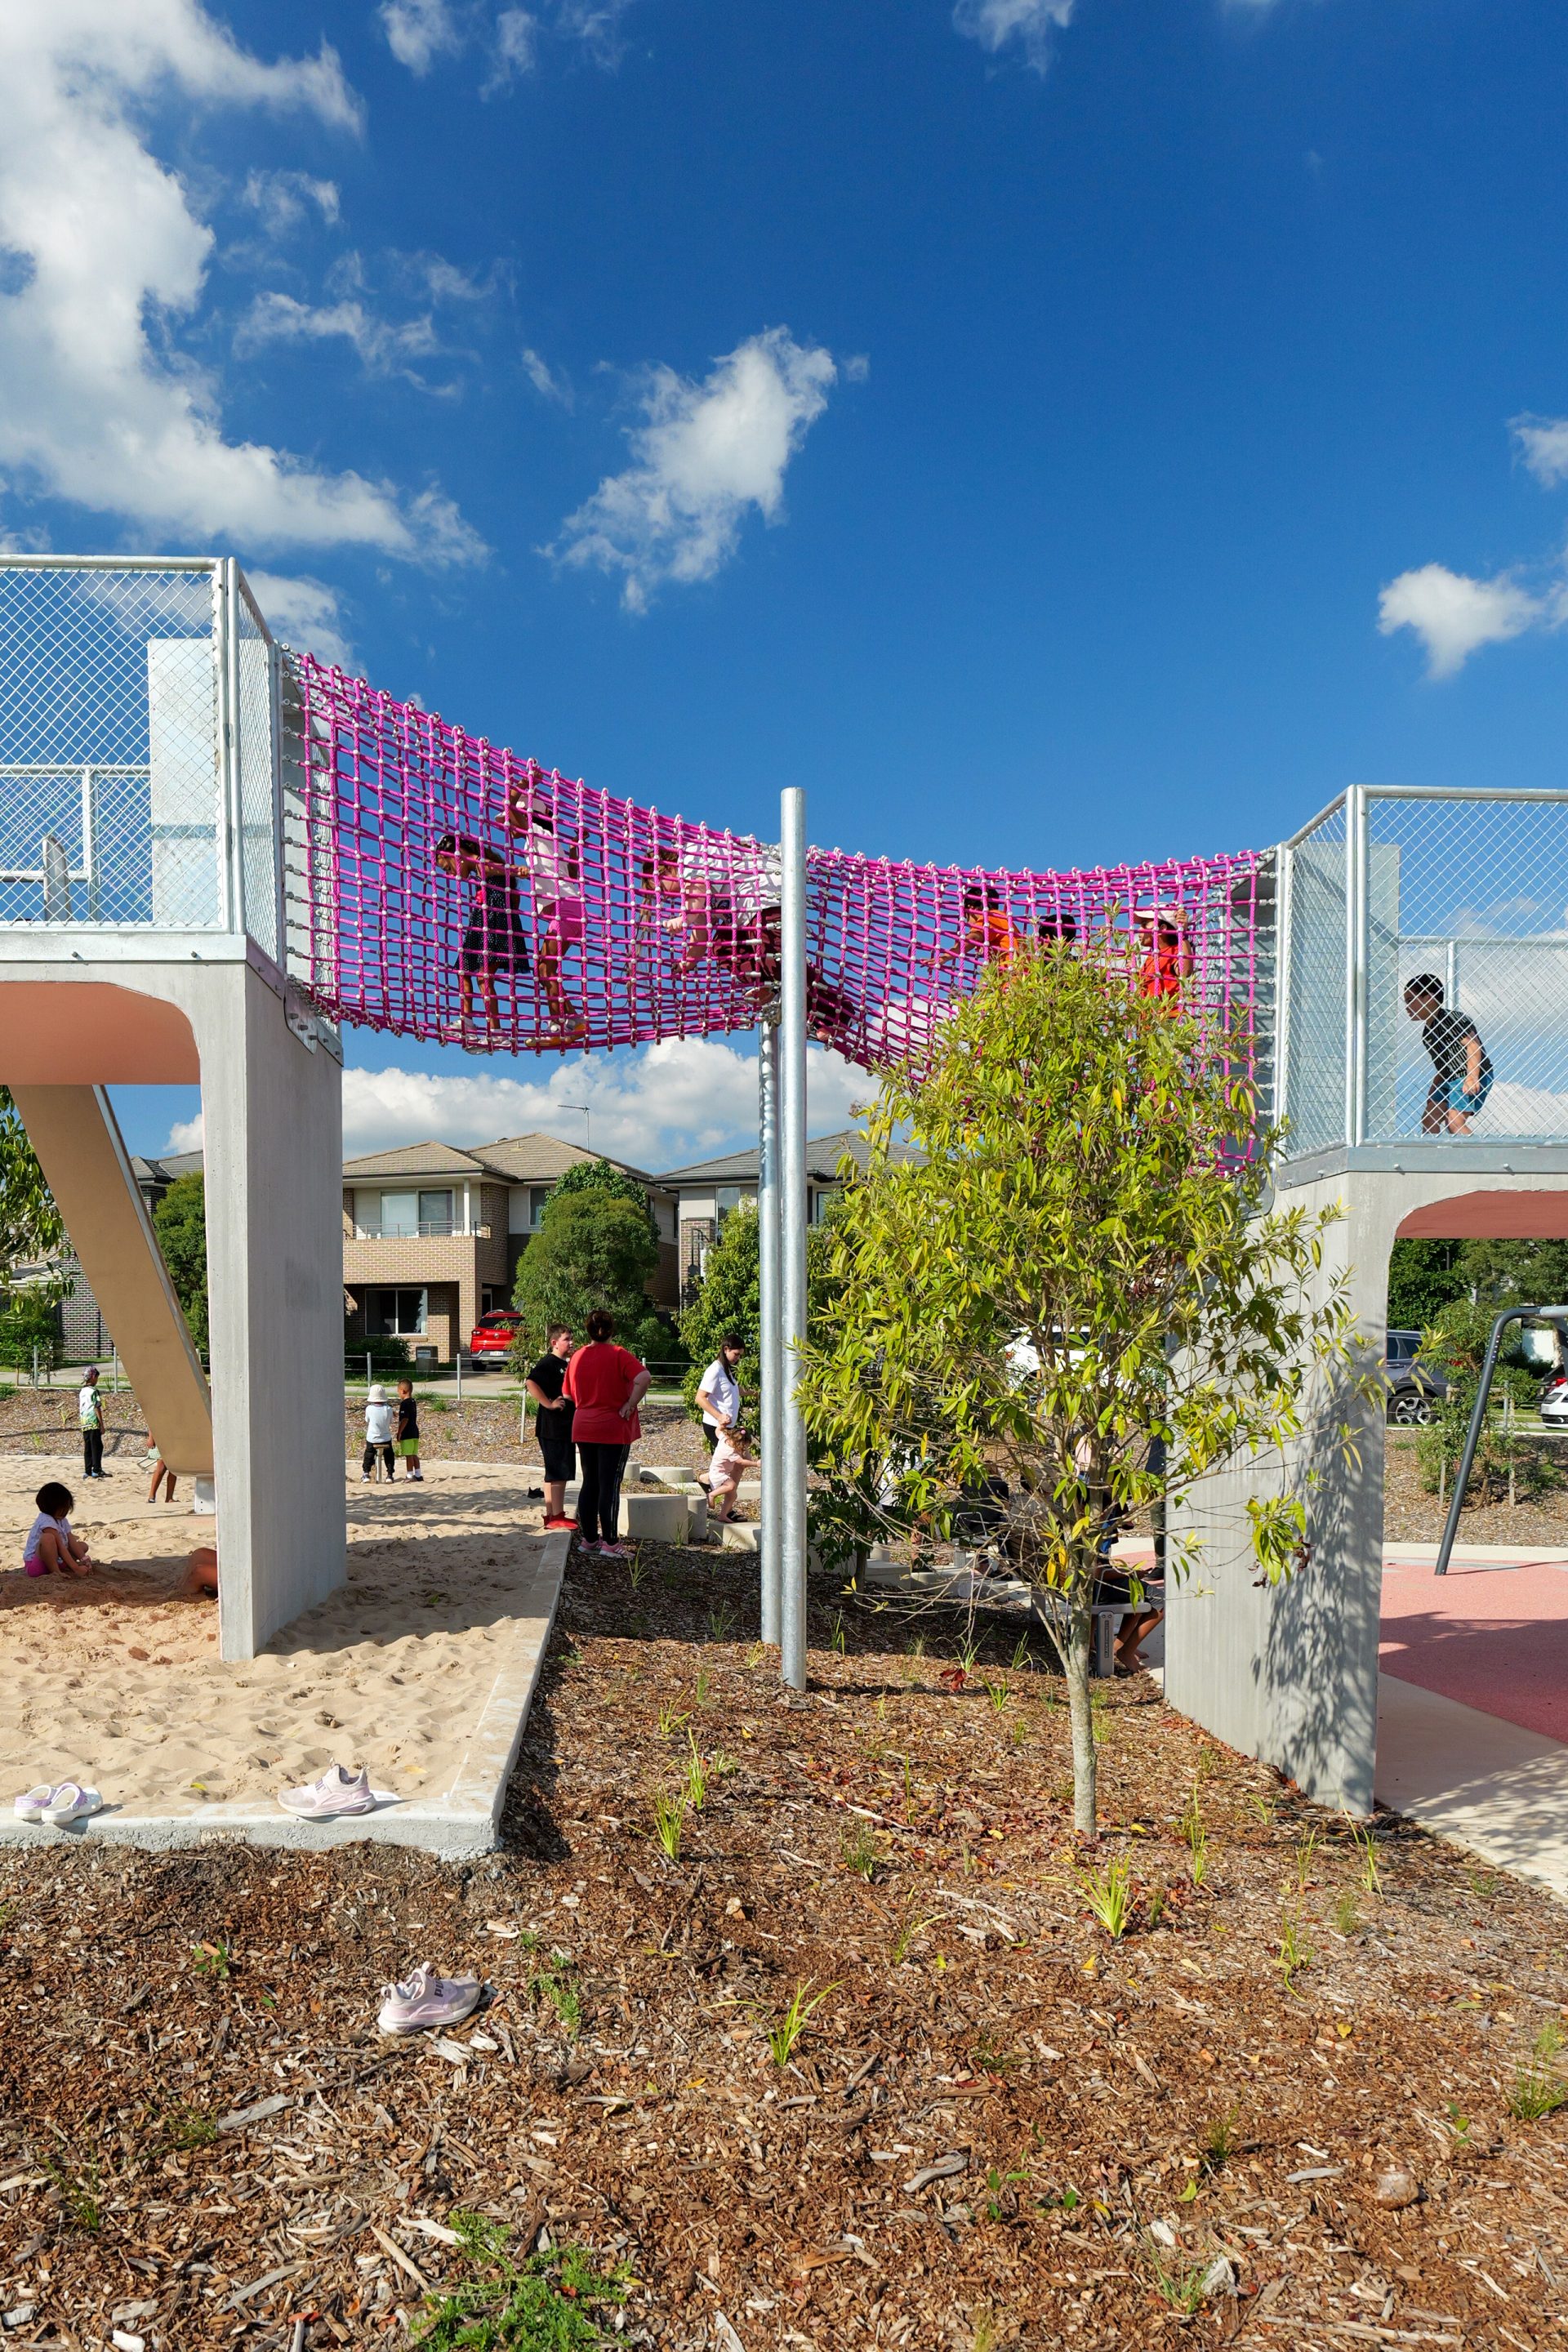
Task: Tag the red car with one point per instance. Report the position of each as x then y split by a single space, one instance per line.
493 1334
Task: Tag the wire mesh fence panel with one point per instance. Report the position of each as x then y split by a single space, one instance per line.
253 733
1468 900
1315 1075
109 761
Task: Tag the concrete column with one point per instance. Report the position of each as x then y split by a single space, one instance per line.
1289 1673
273 1146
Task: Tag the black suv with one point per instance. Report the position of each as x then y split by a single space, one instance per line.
1413 1388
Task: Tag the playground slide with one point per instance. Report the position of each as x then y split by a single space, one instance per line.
74 1131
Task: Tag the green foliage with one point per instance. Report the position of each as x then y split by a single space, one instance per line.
1538 2088
30 1226
30 1321
1083 1259
603 1181
385 1352
180 1221
1426 1278
668 1821
594 1248
547 2303
1456 1345
1108 1894
782 2036
1423 1279
729 1299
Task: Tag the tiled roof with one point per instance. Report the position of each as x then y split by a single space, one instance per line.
515 1159
821 1158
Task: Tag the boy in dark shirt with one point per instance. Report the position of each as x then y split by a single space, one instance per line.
1461 1068
405 1432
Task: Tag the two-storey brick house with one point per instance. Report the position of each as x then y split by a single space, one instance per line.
433 1232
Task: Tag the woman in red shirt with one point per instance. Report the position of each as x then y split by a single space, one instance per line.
606 1384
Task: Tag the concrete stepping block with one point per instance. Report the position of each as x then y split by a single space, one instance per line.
664 1474
696 1515
656 1518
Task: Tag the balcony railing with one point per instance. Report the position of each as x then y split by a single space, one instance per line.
442 1229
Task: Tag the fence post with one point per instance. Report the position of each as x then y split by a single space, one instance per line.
459 1363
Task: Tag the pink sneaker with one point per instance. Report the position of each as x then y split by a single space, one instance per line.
615 1551
427 1999
336 1792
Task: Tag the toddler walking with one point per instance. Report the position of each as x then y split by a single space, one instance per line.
407 1438
729 1458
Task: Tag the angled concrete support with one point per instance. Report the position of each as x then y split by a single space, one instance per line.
77 1138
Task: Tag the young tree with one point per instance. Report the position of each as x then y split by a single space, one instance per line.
601 1178
1081 1262
594 1248
180 1221
30 1225
730 1297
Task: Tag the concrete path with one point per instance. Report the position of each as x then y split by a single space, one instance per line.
1492 1788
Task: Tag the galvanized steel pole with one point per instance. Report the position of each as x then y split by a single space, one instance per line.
792 1251
771 1430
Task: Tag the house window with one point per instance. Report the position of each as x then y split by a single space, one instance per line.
730 1197
537 1196
407 1215
435 1212
394 1314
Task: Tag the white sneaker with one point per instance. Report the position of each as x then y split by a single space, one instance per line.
72 1802
335 1792
426 1999
32 1804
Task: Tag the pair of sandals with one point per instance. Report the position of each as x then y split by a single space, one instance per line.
60 1804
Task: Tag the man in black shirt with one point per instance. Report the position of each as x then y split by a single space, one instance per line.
546 1384
1461 1068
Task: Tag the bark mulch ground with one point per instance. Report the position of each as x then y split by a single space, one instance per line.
1410 1515
997 2126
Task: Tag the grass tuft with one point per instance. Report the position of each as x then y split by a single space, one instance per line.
547 2303
1109 1896
782 2038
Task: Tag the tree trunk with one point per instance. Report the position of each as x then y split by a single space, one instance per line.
1079 1654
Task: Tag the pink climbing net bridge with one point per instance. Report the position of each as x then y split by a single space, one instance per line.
458 892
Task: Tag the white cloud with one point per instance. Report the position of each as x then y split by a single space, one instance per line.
95 409
546 381
1454 615
419 31
597 24
667 1105
284 199
516 50
1030 23
707 454
1543 441
305 613
383 348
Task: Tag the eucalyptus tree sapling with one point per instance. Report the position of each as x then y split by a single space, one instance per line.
1083 1261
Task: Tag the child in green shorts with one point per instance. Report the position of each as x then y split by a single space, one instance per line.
407 1433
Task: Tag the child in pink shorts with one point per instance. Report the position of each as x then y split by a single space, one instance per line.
52 1550
729 1458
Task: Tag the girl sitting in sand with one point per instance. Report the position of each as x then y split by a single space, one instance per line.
729 1458
52 1548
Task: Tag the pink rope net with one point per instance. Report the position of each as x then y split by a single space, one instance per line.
453 891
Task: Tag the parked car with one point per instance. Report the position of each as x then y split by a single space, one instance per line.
1414 1387
493 1334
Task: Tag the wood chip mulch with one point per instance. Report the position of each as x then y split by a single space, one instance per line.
998 2126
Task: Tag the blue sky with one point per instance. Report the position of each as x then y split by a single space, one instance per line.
1050 397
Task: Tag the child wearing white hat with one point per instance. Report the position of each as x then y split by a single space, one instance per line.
378 1436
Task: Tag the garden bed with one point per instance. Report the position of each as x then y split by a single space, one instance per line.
997 2126
1411 1515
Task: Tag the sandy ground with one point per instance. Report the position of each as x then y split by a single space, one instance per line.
114 1681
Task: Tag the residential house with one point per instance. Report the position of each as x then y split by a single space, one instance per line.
707 1192
433 1233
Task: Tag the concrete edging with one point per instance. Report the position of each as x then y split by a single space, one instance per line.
463 1823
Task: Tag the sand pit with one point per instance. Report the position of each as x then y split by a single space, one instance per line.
115 1682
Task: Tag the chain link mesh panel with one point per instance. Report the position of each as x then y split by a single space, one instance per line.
109 747
1315 1081
253 732
1470 894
